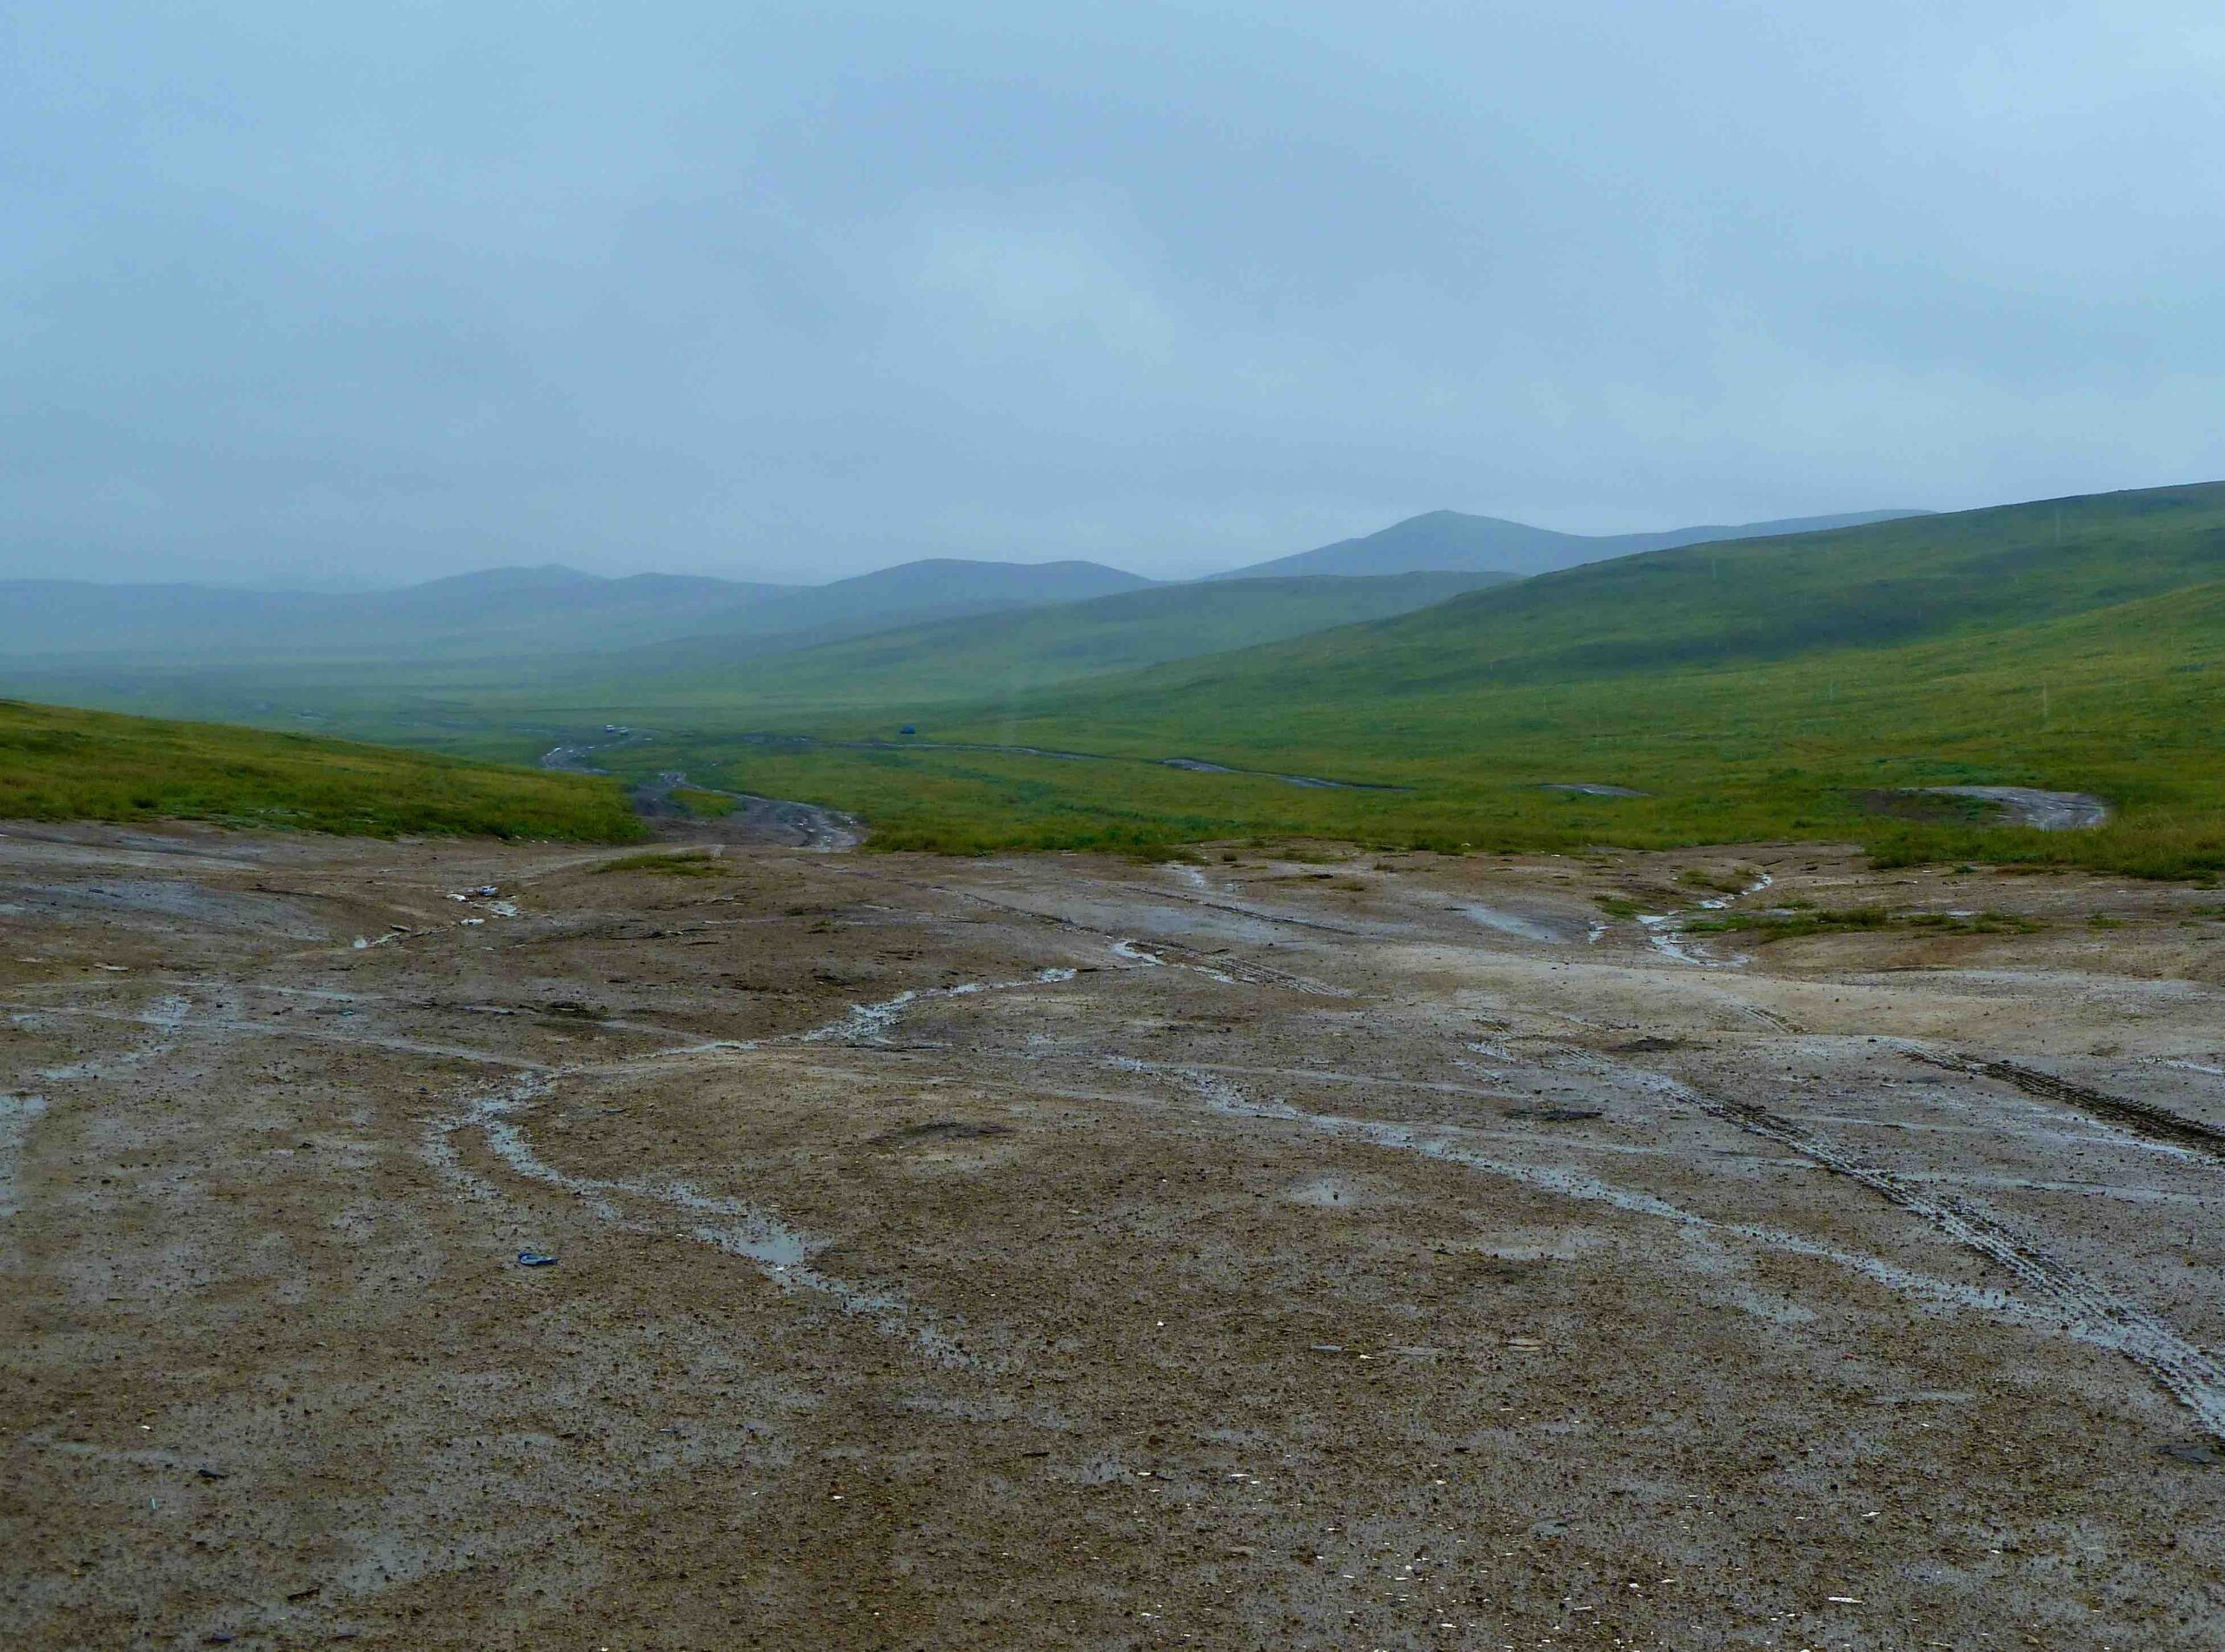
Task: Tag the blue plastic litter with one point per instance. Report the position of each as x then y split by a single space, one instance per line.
534 1260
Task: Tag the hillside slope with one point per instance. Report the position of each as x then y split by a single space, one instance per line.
1012 653
1868 586
63 765
909 594
1784 689
976 620
1448 539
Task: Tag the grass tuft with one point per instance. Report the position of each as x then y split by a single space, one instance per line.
688 863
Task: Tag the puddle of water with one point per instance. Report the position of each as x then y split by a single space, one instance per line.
1666 933
1327 1192
765 1243
865 1023
1507 923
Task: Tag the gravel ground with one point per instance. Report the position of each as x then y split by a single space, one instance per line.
1049 1252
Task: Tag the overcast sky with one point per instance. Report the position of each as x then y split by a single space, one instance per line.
382 291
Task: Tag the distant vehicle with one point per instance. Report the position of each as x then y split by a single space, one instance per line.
613 728
908 729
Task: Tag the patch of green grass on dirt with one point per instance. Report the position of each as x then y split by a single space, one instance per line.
57 763
689 863
1721 883
704 806
1778 923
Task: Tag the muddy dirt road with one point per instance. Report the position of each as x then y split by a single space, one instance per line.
1055 1252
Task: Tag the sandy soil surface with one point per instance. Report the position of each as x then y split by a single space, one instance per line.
1057 1252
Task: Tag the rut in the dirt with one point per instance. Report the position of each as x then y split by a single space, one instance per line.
2143 1118
2094 1313
2183 1372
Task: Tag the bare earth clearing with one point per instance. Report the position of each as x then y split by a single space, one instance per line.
1052 1251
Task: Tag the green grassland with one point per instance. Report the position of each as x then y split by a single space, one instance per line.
1007 657
1763 690
1753 690
517 708
62 764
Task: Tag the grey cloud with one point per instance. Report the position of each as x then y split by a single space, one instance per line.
800 289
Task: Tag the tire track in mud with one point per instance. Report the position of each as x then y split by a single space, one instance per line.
1134 951
2182 1370
2141 1117
1769 1018
18 1112
2089 1311
1224 968
1253 913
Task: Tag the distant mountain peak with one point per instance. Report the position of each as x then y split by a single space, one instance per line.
1453 542
536 576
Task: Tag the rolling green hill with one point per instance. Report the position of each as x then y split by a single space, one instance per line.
1010 654
1788 687
748 682
1857 586
62 764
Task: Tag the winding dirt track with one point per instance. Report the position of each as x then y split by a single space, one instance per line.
1054 1252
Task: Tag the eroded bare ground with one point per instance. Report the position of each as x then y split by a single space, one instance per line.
1056 1252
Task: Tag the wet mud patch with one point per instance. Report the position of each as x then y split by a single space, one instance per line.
1198 1400
161 904
940 1129
2024 806
1333 1192
1929 808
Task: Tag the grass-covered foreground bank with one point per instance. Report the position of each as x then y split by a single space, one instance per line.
64 765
